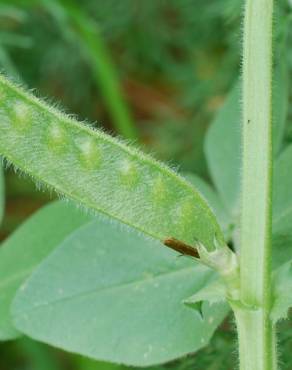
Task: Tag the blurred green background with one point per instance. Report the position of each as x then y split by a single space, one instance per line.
152 71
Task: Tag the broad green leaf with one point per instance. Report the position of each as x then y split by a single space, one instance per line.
214 202
282 207
101 172
223 152
113 295
280 100
27 247
213 292
223 140
2 194
282 249
282 199
282 297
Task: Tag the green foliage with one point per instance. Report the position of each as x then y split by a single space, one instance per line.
282 201
213 292
282 208
223 146
84 363
2 194
100 172
214 201
280 98
223 141
106 175
91 287
85 31
223 151
282 300
40 357
10 14
116 296
26 248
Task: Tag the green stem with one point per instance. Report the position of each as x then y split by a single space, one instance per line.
85 31
257 340
39 356
104 73
255 330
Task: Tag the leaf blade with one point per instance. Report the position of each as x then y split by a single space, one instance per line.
25 249
222 148
213 292
223 140
282 208
2 194
120 300
282 285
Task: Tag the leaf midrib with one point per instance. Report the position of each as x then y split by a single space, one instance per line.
120 286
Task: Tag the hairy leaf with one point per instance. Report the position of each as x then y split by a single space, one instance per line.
213 292
214 202
27 247
101 172
113 295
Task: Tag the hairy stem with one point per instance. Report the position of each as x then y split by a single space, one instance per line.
256 333
257 342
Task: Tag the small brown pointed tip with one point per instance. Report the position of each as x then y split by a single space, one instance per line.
181 247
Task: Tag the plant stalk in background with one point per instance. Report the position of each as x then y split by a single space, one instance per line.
103 71
79 27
